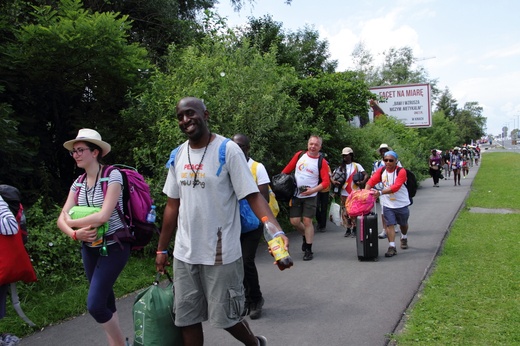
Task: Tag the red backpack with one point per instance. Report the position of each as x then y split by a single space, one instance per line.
137 202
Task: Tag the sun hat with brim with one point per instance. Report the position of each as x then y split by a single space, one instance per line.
347 151
383 146
91 136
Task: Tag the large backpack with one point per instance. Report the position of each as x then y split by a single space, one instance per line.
137 202
411 182
284 185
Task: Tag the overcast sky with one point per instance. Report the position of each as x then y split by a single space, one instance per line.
471 47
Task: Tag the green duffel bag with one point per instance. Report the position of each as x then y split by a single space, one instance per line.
153 316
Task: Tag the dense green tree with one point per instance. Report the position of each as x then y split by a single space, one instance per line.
302 49
444 133
470 122
69 69
333 100
245 91
406 141
399 67
264 33
447 104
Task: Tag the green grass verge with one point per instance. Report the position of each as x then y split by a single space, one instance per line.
473 295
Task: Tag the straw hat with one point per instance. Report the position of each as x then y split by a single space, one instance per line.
91 136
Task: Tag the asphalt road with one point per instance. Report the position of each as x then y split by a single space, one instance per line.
331 300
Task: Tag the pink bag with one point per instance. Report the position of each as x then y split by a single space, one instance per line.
360 202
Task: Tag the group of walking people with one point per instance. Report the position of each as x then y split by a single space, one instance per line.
456 162
215 277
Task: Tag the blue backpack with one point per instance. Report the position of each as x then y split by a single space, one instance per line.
248 219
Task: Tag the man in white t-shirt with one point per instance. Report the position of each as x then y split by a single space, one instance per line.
308 174
249 239
203 209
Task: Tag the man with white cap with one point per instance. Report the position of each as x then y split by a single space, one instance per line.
355 179
383 148
394 199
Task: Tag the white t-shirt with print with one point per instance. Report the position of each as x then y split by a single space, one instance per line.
208 226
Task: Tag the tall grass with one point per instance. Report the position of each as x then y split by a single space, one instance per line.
473 295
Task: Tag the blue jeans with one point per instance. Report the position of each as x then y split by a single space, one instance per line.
102 273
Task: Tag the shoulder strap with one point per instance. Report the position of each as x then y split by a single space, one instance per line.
254 167
173 154
79 184
222 155
105 177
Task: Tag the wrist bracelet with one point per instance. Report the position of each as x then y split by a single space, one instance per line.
74 236
165 252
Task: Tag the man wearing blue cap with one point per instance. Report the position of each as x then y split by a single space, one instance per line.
394 199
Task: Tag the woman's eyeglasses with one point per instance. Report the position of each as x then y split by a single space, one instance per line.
388 160
78 151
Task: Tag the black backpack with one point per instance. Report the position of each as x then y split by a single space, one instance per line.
12 196
411 183
284 185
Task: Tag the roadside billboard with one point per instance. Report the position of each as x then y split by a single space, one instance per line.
409 103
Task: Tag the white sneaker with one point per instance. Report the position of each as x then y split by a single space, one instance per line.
382 235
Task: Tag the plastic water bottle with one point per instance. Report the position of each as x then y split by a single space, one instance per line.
151 215
273 237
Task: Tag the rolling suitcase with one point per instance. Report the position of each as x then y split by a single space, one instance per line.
366 238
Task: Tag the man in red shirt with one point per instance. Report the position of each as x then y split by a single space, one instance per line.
309 181
394 199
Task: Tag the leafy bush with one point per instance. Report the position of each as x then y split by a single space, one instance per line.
55 256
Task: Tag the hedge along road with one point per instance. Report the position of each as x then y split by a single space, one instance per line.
333 300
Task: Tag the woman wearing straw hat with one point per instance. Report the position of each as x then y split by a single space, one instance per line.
103 259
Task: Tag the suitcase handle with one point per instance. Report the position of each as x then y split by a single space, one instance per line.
361 231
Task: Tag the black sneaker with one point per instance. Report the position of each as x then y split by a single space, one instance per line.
348 232
308 255
353 233
256 309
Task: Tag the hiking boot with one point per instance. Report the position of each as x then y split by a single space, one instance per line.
256 309
308 255
391 252
404 243
382 235
348 232
262 341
